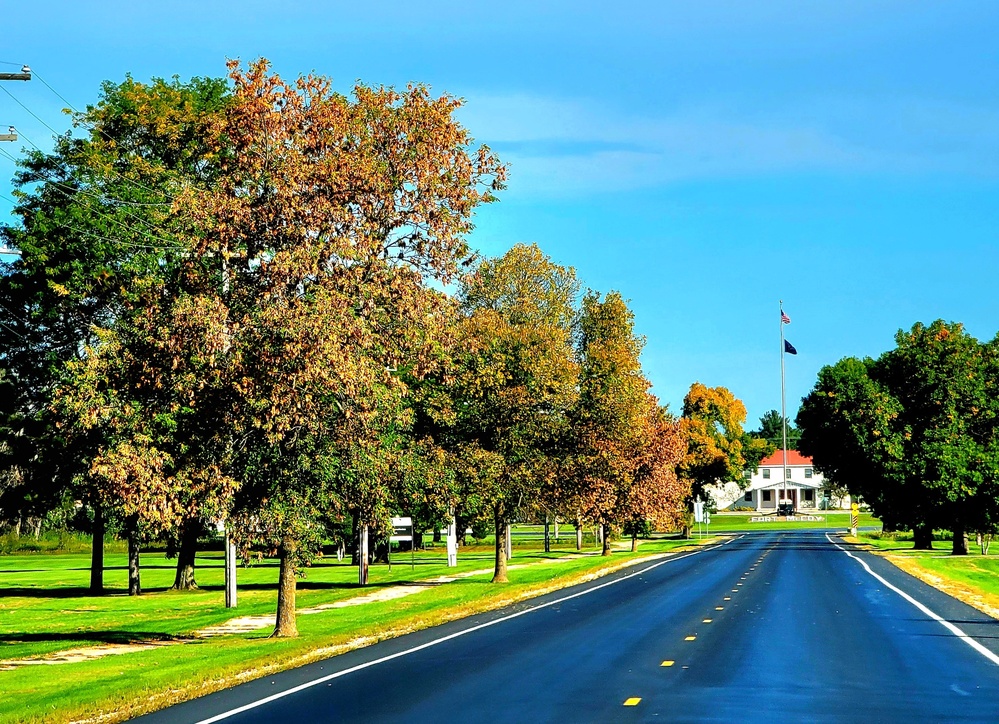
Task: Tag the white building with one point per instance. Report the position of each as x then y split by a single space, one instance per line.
802 487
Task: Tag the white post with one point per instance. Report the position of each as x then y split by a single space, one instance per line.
452 543
508 542
230 571
362 555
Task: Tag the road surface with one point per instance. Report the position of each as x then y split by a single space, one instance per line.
769 627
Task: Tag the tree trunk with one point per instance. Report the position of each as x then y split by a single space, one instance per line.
184 580
417 538
381 550
437 535
634 542
285 624
579 536
499 572
548 539
960 547
604 542
38 528
134 581
97 552
17 526
922 537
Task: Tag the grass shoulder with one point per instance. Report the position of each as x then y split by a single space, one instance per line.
44 609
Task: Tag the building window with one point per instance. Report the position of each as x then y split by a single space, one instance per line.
808 472
749 497
787 473
766 496
747 474
766 473
809 495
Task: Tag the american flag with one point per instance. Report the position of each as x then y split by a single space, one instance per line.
784 318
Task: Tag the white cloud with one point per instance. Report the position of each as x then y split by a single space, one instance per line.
560 147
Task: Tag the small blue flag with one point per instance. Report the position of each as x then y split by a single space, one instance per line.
789 348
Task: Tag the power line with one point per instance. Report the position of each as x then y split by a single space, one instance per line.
57 93
61 187
83 123
171 243
34 115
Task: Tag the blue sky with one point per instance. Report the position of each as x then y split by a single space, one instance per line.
704 159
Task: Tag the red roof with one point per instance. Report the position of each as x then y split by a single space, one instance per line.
793 458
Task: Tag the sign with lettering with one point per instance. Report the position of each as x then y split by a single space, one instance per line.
402 529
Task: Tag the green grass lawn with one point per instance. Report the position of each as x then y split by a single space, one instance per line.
44 608
975 571
902 543
727 522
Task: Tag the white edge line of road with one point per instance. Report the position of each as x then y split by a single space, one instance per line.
935 616
428 644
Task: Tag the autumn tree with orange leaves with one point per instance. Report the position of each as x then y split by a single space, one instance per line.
717 447
657 497
334 211
303 293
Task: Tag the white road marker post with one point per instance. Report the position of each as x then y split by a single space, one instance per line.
362 555
452 543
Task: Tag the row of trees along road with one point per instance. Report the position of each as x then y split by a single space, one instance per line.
228 307
914 432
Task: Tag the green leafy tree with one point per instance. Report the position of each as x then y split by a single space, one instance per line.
609 415
912 432
771 430
515 381
93 218
850 430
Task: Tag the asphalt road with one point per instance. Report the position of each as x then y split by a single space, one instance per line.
774 627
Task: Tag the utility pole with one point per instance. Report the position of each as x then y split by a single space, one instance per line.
25 74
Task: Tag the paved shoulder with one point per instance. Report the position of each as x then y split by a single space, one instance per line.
978 625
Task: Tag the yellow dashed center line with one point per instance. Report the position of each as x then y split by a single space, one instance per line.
719 608
633 701
668 662
728 598
690 638
707 620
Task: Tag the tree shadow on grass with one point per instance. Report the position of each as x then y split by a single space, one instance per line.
302 585
91 637
84 591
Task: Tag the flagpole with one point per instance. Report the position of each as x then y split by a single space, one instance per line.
783 403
